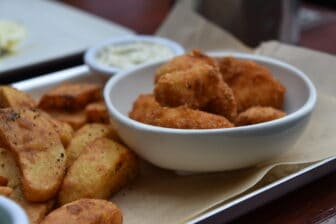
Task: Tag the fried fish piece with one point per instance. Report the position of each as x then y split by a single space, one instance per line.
11 172
37 148
86 211
252 84
257 114
194 87
12 97
197 86
70 96
147 110
185 62
100 171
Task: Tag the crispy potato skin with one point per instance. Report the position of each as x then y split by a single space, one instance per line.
11 97
147 110
193 87
37 148
99 171
252 84
84 136
76 119
85 211
255 115
97 113
70 96
9 170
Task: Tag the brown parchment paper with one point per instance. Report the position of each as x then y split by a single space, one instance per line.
161 196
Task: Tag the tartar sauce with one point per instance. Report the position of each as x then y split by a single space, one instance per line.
128 55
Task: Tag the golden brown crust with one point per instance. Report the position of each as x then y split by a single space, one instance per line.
255 115
9 169
76 119
97 113
70 96
194 87
86 211
100 171
5 191
37 148
11 97
185 62
148 111
252 84
84 136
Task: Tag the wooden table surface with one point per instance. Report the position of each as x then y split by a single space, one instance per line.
312 203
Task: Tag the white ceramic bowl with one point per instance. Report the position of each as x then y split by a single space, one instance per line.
213 149
11 213
90 56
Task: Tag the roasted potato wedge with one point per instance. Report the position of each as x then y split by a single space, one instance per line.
85 135
97 112
75 119
11 97
9 170
37 148
85 211
64 130
70 96
100 170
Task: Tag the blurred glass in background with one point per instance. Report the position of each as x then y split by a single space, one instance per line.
254 21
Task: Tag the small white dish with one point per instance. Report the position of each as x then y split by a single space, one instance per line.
11 213
212 149
90 56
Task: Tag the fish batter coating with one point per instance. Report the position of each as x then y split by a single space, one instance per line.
252 84
198 86
255 115
185 62
148 111
194 87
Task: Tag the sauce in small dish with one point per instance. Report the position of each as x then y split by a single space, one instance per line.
119 54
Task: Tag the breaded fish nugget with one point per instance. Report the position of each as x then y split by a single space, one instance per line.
194 87
185 62
258 114
252 84
147 110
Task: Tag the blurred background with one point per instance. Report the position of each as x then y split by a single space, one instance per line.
308 23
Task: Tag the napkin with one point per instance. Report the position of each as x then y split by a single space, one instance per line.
162 196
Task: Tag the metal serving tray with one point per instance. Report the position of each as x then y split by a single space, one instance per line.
227 211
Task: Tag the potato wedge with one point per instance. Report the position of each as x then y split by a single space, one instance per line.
64 130
70 96
86 211
11 97
75 119
85 135
9 170
100 171
97 112
37 148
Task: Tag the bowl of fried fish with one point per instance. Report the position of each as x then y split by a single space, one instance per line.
203 112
